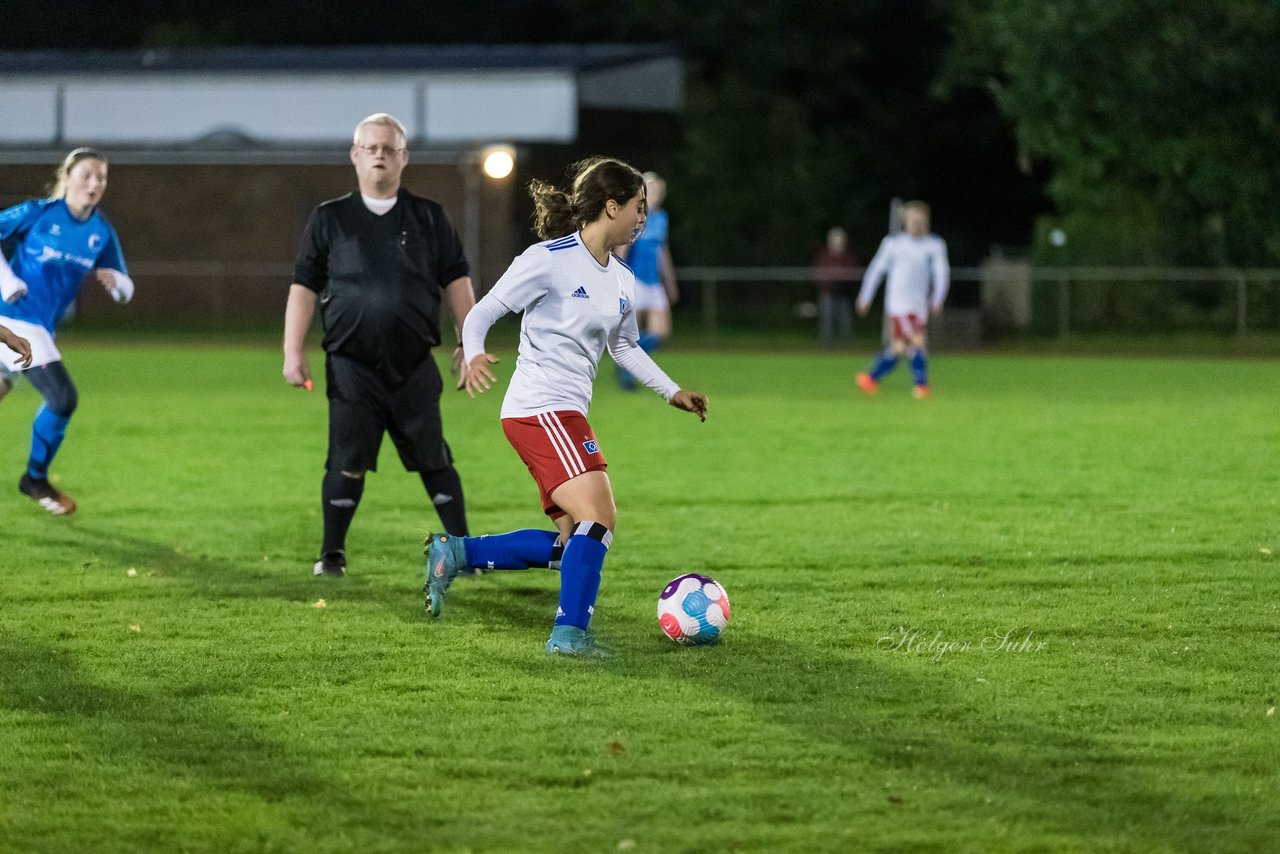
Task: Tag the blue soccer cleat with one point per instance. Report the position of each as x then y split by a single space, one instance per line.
446 558
575 642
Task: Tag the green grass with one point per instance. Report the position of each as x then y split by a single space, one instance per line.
1116 511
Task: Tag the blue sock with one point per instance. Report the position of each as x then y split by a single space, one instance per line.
580 573
885 362
517 550
649 342
46 436
919 367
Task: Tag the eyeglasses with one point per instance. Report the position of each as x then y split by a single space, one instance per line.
374 150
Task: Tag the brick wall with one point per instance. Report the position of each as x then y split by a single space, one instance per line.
215 244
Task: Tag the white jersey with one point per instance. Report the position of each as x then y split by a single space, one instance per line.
913 265
573 308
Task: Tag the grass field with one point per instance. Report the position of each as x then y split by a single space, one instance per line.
168 683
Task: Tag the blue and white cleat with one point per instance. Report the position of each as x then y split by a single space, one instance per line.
576 642
446 558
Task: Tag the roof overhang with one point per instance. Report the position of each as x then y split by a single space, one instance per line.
294 102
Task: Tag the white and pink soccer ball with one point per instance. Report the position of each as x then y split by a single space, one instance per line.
693 609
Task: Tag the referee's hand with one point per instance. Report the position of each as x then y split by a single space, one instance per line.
455 367
477 379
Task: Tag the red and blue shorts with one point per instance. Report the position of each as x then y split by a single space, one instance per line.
556 446
907 326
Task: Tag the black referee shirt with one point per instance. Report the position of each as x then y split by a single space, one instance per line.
380 278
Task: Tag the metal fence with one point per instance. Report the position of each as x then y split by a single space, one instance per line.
1002 295
1047 300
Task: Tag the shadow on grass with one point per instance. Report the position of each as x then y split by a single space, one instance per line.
1007 757
133 729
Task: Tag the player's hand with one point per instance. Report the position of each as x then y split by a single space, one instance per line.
478 378
297 371
691 401
17 344
101 277
456 367
935 311
863 308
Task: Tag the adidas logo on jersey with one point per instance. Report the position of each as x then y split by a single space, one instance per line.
581 293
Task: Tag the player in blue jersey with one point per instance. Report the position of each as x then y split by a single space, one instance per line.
656 289
51 248
915 263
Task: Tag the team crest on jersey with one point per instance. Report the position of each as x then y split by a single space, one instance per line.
55 229
591 447
622 305
95 240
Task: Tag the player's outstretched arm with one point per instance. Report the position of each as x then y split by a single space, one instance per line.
691 401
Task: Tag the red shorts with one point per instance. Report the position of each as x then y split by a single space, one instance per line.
556 446
907 326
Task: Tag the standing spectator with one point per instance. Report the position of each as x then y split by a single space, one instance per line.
649 257
58 245
834 272
379 262
919 274
577 300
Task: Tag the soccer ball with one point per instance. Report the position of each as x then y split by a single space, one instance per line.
693 609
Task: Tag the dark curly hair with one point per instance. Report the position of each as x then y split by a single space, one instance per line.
591 183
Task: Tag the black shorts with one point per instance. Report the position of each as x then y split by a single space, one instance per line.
362 406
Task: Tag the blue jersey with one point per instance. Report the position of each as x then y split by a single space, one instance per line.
643 258
51 251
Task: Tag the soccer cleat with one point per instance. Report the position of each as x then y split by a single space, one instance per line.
920 392
332 564
575 642
43 493
867 384
446 559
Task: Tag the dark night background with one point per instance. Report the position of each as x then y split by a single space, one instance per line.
1149 131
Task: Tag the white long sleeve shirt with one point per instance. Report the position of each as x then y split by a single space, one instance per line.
919 274
574 308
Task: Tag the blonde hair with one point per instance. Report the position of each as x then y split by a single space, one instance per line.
380 119
58 189
594 181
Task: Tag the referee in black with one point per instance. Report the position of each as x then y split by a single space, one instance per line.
379 262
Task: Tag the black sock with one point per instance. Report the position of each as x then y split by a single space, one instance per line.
444 488
340 495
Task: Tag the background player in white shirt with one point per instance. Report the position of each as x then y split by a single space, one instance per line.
577 298
919 275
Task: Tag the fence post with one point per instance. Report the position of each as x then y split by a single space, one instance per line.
1064 305
1242 303
709 321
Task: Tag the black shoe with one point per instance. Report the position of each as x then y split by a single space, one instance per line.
332 563
43 493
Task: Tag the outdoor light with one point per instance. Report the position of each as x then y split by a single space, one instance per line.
498 161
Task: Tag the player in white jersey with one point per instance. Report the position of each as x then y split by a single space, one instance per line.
578 299
919 275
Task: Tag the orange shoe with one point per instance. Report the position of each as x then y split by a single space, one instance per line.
920 392
867 384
